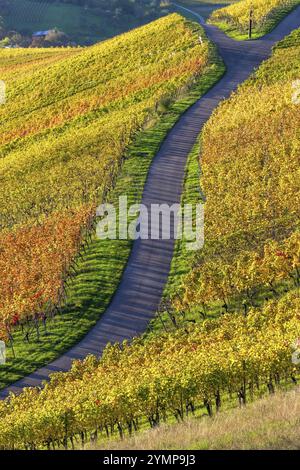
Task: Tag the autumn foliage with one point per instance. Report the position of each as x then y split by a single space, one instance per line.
250 164
265 15
68 121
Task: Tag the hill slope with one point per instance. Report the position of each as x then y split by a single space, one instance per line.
250 177
268 424
237 356
65 129
250 268
266 14
82 24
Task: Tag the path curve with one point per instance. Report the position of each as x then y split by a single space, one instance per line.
145 276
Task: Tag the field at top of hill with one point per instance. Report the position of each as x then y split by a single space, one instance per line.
82 21
249 269
266 14
17 63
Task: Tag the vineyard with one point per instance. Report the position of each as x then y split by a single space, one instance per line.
248 270
250 177
71 115
266 14
268 423
235 355
83 21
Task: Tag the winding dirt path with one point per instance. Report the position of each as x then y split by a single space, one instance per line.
145 276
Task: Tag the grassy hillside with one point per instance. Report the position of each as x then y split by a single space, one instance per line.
80 126
249 273
204 7
206 2
268 424
79 23
234 19
196 370
249 149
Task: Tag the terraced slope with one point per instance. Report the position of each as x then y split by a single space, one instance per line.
250 177
148 267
